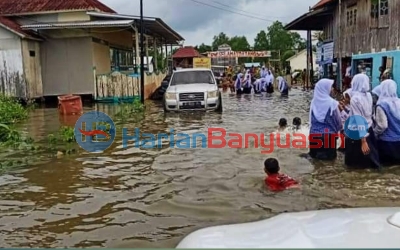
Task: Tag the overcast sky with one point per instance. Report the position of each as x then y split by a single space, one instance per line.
199 20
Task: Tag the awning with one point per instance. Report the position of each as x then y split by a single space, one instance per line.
313 20
152 25
85 24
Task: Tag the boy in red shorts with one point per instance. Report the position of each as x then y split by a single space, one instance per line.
274 180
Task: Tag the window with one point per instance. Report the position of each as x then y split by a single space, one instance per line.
189 77
379 8
32 53
351 16
121 60
384 7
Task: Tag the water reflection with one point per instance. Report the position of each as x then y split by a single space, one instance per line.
135 197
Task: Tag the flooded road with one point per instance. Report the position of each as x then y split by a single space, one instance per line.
153 197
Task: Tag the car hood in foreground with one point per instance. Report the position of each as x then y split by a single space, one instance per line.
336 228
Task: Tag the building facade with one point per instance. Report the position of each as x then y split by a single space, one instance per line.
299 60
76 47
222 61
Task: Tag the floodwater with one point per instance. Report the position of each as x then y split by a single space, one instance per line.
154 197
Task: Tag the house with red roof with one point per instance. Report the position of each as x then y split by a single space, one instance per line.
51 48
183 57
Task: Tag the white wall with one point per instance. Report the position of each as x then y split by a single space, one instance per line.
299 62
12 80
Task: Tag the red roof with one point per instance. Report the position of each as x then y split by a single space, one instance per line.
10 7
14 27
186 52
321 3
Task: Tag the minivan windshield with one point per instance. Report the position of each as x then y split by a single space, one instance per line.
189 77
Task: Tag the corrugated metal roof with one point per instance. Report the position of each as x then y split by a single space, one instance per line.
86 24
152 24
14 27
186 52
13 7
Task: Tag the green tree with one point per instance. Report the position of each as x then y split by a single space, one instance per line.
202 48
261 41
218 40
239 43
280 39
299 43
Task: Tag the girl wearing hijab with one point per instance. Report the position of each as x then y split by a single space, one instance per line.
376 92
238 84
345 105
387 123
263 72
247 86
272 76
325 122
283 86
361 153
268 85
258 85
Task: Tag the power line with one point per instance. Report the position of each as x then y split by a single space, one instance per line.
233 12
237 9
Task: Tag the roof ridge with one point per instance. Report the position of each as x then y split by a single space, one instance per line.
8 7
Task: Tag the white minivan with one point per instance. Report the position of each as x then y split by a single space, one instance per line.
192 89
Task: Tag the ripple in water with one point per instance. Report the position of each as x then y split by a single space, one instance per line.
131 197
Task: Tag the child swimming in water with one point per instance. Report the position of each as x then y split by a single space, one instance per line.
282 124
274 180
296 123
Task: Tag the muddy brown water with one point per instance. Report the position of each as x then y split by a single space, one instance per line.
154 197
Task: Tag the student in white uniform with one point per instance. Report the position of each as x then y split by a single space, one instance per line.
283 86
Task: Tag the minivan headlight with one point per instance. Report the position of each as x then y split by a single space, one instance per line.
212 94
170 96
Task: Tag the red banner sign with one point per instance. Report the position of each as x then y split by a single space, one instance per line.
234 54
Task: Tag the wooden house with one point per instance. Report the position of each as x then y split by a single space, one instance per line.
363 32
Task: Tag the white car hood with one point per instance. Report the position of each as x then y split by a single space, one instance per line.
336 228
190 88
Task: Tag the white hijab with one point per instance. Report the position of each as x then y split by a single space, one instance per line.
281 83
322 101
238 83
388 95
360 86
377 90
360 94
272 76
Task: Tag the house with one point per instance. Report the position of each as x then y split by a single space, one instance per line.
299 60
183 57
364 33
51 48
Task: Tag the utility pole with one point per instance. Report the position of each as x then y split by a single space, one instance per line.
308 77
339 41
141 53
